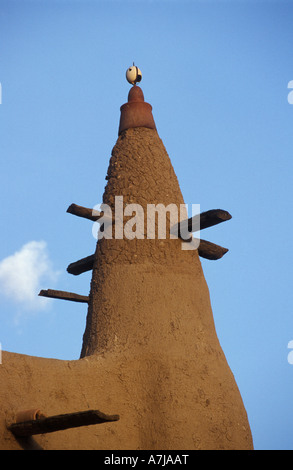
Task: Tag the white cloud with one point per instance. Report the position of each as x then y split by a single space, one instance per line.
24 273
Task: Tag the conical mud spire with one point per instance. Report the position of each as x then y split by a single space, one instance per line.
140 174
149 303
152 374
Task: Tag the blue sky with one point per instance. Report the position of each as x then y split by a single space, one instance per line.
216 74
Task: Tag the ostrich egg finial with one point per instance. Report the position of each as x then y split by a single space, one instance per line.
133 75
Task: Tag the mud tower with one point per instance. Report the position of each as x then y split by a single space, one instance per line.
152 374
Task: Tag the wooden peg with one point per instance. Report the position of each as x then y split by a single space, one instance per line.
59 294
60 422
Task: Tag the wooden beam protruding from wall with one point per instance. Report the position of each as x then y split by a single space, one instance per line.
201 221
206 250
84 212
60 294
81 266
60 422
206 219
211 251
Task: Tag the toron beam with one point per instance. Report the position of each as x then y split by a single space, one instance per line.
81 266
211 251
59 294
60 422
84 212
206 219
211 218
206 250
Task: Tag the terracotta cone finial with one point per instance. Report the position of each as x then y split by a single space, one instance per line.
136 112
